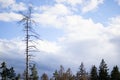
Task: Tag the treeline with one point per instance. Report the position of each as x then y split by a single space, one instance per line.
101 73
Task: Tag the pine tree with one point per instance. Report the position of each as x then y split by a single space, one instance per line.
103 71
4 71
7 73
61 75
34 74
44 77
93 73
55 75
12 73
115 73
81 74
69 74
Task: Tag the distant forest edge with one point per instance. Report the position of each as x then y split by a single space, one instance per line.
101 73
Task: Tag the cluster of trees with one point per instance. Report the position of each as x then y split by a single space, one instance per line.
102 73
9 73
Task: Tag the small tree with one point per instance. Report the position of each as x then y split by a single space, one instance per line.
55 75
44 77
81 74
7 73
12 73
69 74
34 73
93 73
4 71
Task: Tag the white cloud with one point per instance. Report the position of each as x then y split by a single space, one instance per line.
18 7
10 17
84 40
46 19
84 5
91 5
6 3
12 5
114 26
18 47
48 47
118 1
9 9
53 16
11 48
85 28
71 2
57 9
87 41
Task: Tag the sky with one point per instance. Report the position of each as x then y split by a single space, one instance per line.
71 32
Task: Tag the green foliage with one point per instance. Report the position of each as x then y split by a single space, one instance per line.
115 75
81 74
4 71
12 73
7 73
55 75
44 77
103 71
34 73
62 74
93 73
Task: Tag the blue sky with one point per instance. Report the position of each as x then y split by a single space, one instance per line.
72 31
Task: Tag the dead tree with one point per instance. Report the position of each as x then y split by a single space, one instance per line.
27 22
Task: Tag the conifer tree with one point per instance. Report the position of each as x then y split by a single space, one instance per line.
69 74
115 75
103 71
12 73
61 73
4 71
7 73
81 74
55 75
34 73
44 77
93 73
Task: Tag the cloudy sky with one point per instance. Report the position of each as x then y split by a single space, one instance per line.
72 31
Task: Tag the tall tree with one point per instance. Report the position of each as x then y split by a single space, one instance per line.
103 71
93 73
81 74
29 32
34 73
115 75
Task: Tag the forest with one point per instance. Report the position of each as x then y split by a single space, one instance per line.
101 73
